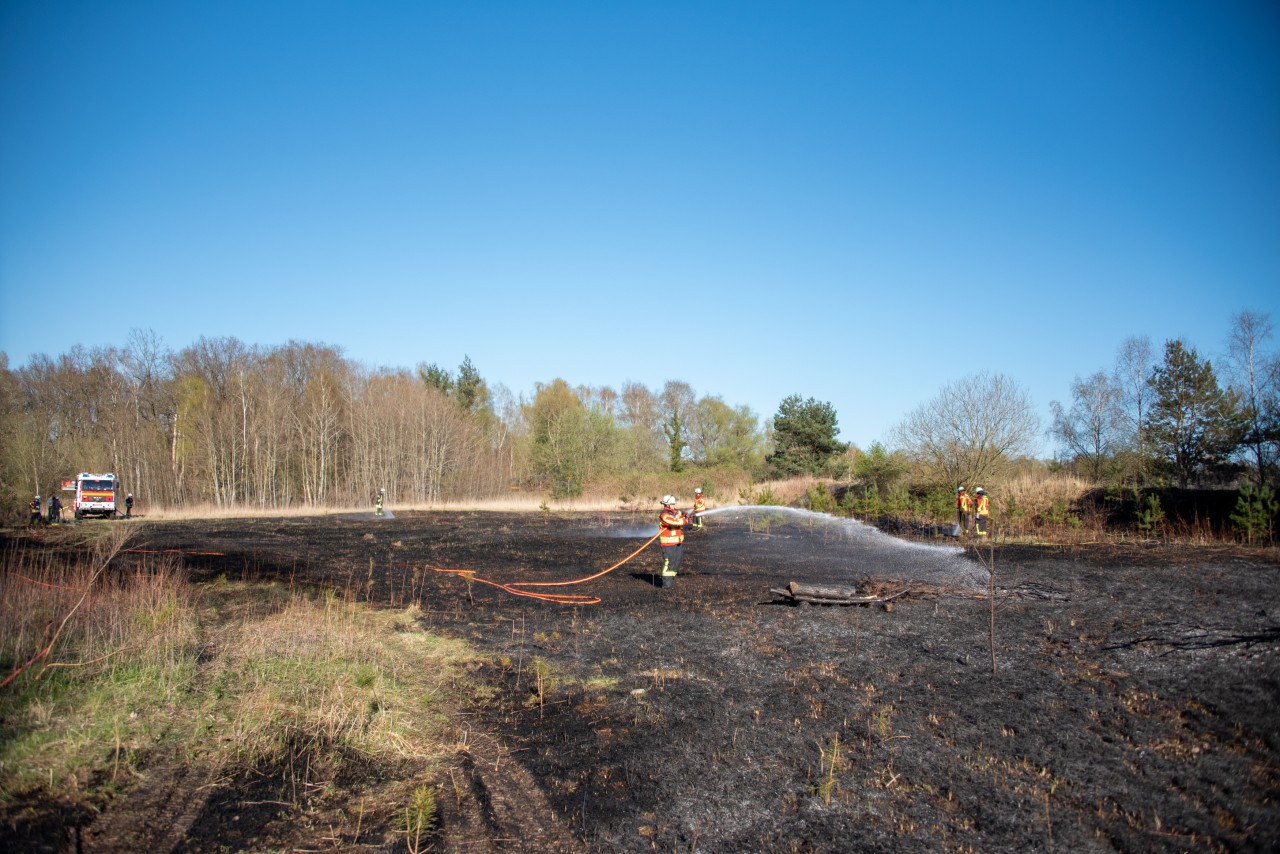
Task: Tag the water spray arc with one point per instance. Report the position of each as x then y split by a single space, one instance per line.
844 544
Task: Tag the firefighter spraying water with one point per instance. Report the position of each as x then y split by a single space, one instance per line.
380 510
671 524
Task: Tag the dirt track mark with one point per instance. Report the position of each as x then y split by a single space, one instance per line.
498 806
157 813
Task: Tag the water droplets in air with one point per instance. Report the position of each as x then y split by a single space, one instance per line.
786 543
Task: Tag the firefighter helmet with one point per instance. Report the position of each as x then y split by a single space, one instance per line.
698 491
981 491
668 500
961 489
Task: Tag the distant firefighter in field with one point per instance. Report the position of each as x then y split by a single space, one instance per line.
699 505
964 506
983 512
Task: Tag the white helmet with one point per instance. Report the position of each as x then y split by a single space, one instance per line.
698 490
960 489
981 491
668 500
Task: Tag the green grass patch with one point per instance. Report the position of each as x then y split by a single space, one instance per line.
144 663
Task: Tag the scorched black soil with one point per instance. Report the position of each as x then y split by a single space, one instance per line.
1116 699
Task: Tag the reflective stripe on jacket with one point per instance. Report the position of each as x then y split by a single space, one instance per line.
984 506
699 505
671 527
965 502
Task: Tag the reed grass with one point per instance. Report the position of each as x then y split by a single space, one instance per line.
90 652
524 503
1038 493
640 492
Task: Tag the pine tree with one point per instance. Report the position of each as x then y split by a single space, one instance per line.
1193 423
804 435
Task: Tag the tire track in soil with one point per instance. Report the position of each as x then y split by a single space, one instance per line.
498 806
155 814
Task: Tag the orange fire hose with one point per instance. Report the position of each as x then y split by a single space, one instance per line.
41 583
513 587
172 552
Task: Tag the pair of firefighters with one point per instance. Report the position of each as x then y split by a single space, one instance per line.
54 511
979 504
671 525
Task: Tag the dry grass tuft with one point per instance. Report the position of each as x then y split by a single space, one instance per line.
333 671
1037 493
785 492
212 511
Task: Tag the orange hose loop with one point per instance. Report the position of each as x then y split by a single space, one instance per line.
513 587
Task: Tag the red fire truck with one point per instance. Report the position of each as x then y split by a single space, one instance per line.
95 495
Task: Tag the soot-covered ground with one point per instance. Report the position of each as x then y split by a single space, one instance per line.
1134 703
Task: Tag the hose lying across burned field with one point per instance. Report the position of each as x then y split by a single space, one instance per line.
515 587
813 547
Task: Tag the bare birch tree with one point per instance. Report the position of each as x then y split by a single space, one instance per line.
1091 430
971 432
213 417
1135 361
641 417
146 438
1254 376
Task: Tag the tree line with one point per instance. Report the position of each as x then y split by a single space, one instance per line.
1154 420
225 423
1172 417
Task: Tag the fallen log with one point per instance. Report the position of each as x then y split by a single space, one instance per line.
815 594
821 592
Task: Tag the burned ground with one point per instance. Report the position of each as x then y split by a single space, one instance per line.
1132 704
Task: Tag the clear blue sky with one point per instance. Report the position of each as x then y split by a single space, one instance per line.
854 202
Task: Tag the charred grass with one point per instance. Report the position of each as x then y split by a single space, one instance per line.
1131 705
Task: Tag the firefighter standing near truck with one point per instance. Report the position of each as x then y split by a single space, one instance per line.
671 524
983 512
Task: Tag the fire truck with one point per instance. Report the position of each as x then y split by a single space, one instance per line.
95 495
